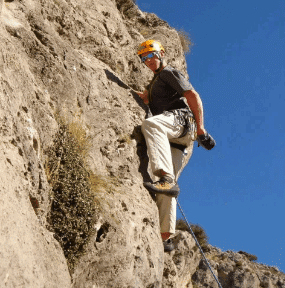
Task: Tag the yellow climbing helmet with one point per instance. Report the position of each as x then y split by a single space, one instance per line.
149 46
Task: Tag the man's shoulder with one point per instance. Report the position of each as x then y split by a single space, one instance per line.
175 79
169 70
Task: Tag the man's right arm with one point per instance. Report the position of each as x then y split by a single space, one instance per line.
144 96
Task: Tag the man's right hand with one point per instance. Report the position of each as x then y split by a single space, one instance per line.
144 96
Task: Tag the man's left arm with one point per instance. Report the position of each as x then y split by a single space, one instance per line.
195 103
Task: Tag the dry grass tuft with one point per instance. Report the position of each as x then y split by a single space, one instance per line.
185 41
249 256
198 231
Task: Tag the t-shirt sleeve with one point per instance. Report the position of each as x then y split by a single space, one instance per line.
176 80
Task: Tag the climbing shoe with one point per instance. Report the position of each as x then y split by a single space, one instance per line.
166 185
168 245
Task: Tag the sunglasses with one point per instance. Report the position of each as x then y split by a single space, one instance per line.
148 56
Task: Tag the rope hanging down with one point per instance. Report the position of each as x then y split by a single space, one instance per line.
192 233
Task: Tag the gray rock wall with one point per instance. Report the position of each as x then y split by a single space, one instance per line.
64 55
30 256
76 57
1 4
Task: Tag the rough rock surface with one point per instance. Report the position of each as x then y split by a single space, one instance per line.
236 270
77 57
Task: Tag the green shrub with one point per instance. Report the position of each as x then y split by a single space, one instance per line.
73 207
198 231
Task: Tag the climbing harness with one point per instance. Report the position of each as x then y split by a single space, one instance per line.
193 235
184 117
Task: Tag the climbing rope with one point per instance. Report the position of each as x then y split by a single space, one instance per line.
192 233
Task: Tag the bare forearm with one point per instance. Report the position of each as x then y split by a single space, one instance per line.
137 92
143 95
195 103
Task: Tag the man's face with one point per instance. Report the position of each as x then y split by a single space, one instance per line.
153 63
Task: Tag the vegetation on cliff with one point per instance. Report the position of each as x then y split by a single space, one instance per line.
73 207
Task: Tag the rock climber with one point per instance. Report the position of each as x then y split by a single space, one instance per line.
175 122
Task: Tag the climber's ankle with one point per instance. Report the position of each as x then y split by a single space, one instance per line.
162 173
165 236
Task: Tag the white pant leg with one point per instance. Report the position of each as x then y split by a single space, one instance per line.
167 213
158 131
167 205
181 158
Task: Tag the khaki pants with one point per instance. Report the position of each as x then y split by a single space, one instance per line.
159 131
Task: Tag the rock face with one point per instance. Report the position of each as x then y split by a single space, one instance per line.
78 58
236 270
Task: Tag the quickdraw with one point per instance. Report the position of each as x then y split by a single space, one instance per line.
185 118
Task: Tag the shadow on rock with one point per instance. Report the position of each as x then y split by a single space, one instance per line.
141 152
111 76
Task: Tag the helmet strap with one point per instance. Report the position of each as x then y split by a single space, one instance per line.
161 63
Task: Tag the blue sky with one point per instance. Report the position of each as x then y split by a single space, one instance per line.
237 64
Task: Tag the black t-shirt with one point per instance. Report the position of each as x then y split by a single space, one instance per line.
166 91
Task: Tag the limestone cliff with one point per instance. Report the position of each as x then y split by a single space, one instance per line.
76 58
